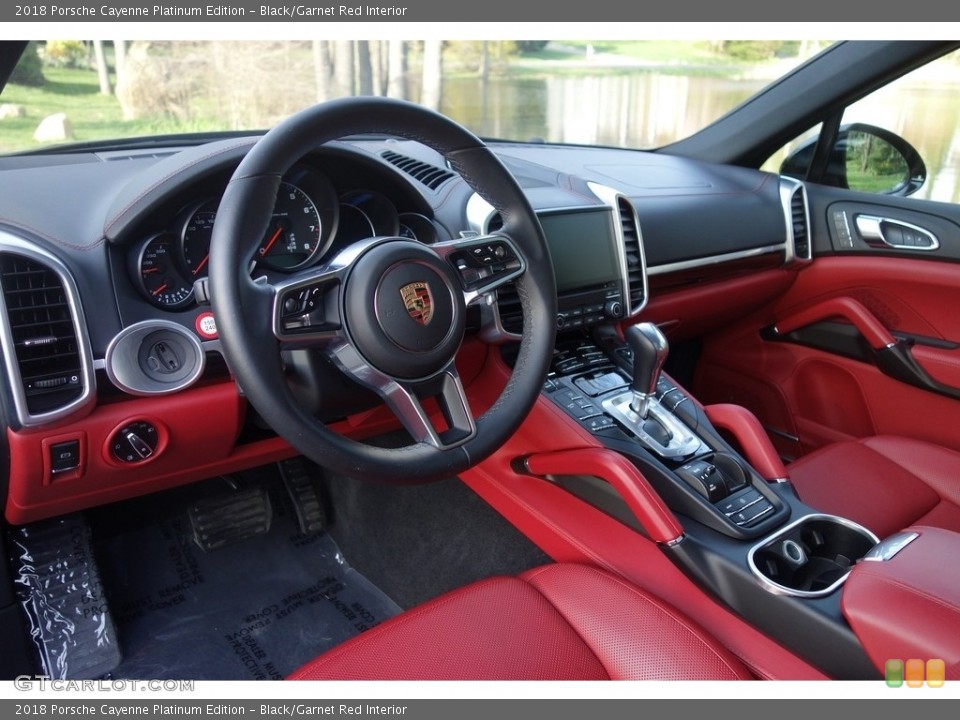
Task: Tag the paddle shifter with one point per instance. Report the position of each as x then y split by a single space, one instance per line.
650 349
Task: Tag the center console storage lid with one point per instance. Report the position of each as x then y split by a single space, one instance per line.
908 605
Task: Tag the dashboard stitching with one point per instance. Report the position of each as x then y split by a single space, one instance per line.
180 170
56 241
735 193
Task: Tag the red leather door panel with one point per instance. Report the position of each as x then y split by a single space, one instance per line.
809 397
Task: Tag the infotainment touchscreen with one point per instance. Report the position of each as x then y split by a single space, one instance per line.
583 246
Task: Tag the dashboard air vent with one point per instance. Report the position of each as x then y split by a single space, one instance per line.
427 174
508 304
634 252
798 219
43 335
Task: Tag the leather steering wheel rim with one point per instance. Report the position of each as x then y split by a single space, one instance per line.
247 326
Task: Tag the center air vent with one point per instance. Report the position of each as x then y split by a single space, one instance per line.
636 272
46 359
425 173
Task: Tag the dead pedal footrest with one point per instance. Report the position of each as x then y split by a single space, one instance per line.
231 517
59 588
301 485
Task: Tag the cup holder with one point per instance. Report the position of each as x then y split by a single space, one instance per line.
810 557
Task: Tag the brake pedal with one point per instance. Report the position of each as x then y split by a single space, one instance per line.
229 518
58 585
299 477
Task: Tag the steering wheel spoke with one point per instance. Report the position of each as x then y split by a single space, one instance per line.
482 263
406 398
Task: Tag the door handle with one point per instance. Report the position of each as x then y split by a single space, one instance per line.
884 232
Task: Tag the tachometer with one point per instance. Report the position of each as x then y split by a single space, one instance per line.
160 280
195 239
293 236
415 226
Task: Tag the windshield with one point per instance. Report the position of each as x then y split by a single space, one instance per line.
638 94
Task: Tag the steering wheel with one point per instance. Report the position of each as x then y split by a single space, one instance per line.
389 312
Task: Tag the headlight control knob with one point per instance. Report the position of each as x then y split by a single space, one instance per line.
135 442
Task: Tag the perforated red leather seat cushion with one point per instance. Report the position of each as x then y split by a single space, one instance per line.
885 483
559 622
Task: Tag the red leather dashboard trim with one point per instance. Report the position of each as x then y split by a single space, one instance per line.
198 431
198 427
752 438
691 312
909 606
655 517
570 530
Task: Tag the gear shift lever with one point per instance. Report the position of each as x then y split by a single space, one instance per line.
650 350
637 409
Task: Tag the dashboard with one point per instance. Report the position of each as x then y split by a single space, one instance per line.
111 348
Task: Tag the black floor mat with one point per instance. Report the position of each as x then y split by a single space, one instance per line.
255 609
418 541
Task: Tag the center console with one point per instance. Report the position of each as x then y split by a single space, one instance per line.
639 411
745 537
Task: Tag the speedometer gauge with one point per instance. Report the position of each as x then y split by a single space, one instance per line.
160 280
195 239
293 235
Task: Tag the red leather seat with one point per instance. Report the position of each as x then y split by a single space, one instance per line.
557 622
885 483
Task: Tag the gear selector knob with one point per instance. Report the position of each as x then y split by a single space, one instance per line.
650 350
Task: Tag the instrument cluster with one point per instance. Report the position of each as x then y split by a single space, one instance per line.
310 222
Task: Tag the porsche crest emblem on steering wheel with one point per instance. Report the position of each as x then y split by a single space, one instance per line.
418 301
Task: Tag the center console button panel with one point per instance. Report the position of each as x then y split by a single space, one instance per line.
695 473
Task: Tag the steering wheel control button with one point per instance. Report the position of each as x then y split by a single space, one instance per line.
485 263
134 442
308 308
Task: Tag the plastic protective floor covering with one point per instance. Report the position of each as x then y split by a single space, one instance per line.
255 609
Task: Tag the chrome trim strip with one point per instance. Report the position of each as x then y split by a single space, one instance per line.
776 431
788 188
18 246
778 589
715 259
611 197
683 442
889 547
